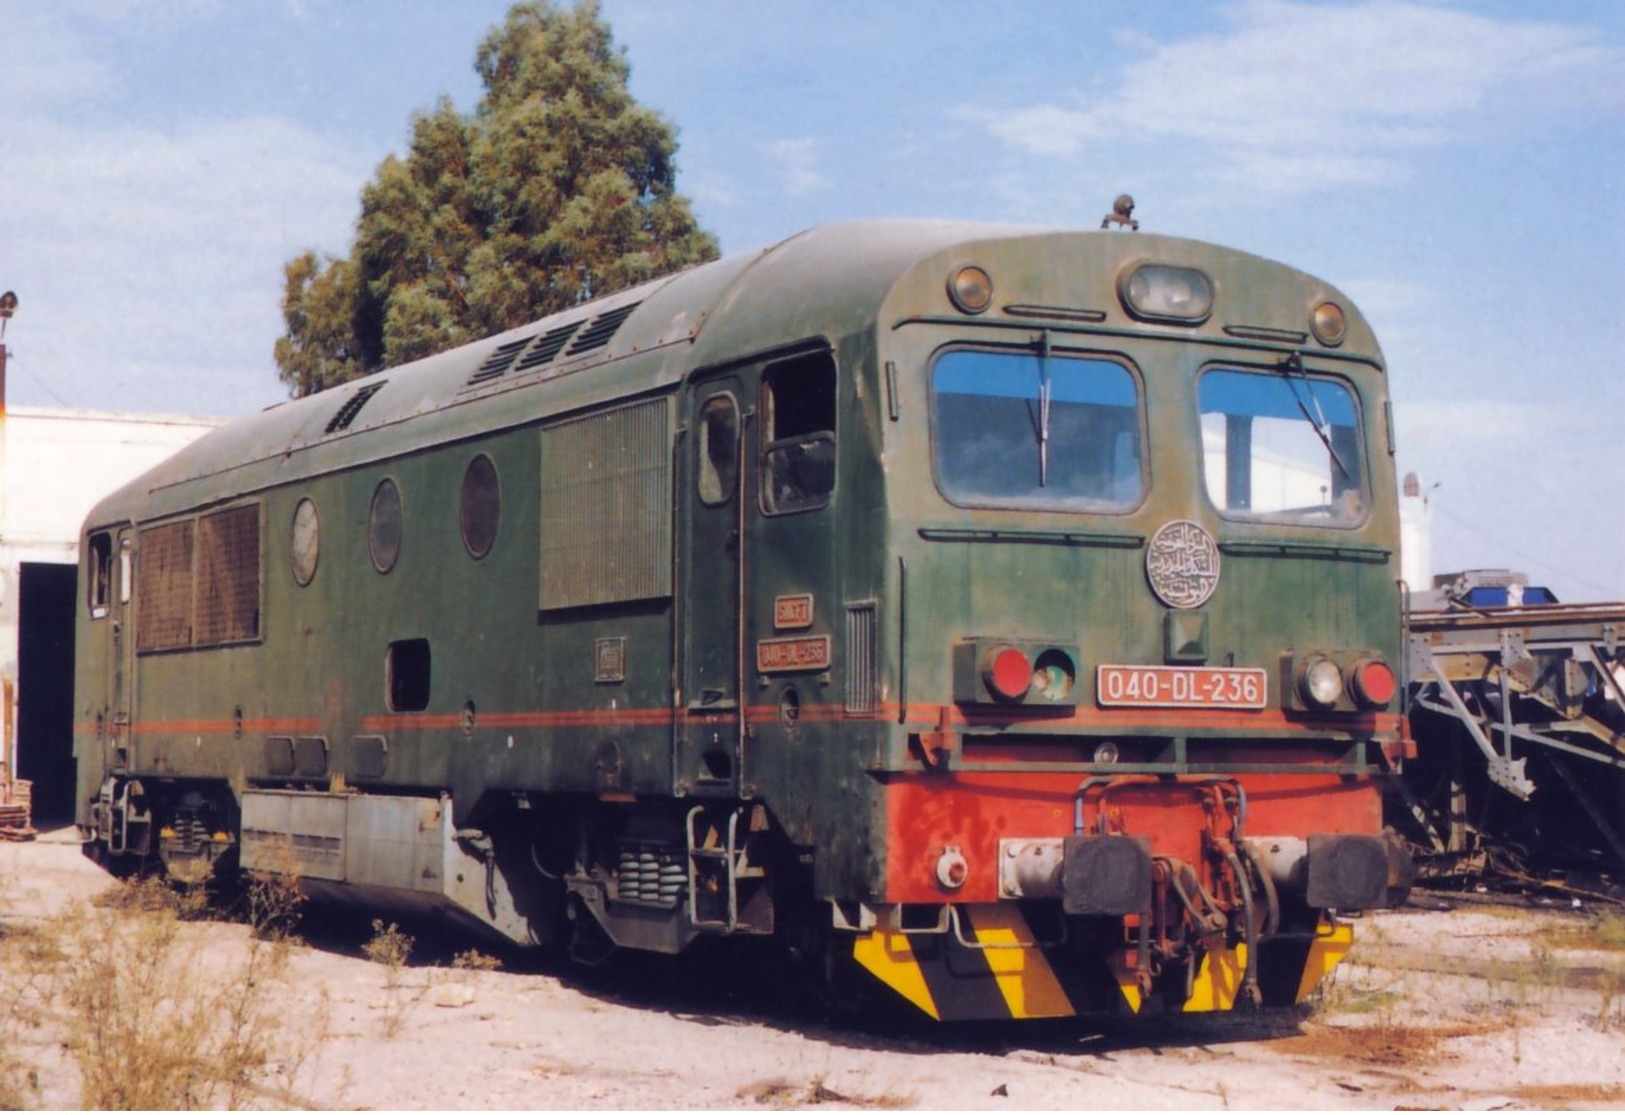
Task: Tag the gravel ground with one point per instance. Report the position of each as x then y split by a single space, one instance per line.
1475 1008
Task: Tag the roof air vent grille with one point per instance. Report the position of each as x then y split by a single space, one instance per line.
352 407
499 360
603 327
548 347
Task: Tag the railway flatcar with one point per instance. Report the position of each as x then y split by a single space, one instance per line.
1001 619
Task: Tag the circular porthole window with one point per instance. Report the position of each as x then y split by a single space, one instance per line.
384 526
479 506
305 543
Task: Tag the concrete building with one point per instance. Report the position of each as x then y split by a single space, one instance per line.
54 466
1415 535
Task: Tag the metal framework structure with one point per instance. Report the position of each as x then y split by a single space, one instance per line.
1520 681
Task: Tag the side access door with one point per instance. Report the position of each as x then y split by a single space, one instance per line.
105 685
110 567
712 730
761 601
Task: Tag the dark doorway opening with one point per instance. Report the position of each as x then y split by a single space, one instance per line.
45 688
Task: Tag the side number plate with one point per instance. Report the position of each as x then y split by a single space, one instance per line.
1181 687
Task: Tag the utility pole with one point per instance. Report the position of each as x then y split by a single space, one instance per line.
8 306
8 739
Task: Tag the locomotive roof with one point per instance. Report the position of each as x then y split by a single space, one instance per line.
635 340
828 281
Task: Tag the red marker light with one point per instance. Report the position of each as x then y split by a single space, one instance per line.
1374 683
1007 672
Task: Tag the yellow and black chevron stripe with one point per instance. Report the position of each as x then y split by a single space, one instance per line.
1002 971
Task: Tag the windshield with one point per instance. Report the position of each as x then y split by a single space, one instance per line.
1034 430
1281 445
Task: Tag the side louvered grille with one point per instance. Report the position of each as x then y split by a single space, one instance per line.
498 362
861 658
228 576
603 327
163 587
198 581
606 507
352 407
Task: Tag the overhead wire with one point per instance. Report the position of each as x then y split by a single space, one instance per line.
1607 593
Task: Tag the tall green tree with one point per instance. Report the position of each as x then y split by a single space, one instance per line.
558 186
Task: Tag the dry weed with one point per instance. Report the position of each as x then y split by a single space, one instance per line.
783 1094
151 1024
274 906
19 1082
392 948
473 960
1604 931
25 950
124 989
1610 1000
389 947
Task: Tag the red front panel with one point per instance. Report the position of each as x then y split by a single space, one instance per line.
973 811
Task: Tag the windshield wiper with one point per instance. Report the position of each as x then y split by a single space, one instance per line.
1041 419
1322 428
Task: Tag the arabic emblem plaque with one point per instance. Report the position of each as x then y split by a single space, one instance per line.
1182 564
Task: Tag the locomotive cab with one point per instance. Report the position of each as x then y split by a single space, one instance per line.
1149 641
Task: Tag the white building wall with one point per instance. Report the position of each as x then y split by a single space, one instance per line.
57 465
1415 536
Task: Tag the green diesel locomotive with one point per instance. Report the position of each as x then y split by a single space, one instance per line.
1004 617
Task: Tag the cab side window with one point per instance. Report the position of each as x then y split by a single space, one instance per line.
798 428
718 450
99 579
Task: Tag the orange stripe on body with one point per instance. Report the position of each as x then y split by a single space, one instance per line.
926 717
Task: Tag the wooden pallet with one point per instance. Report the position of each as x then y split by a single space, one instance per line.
16 803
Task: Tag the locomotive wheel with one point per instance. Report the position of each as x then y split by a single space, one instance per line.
588 945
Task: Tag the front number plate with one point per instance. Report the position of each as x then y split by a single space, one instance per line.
1181 687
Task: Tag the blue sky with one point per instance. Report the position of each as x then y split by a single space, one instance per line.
1457 167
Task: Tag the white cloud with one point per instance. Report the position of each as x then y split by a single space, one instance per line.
1457 428
1296 97
121 241
53 68
1043 129
795 162
148 257
1396 308
709 188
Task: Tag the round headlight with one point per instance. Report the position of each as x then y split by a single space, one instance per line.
1321 682
1329 324
1053 675
971 289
